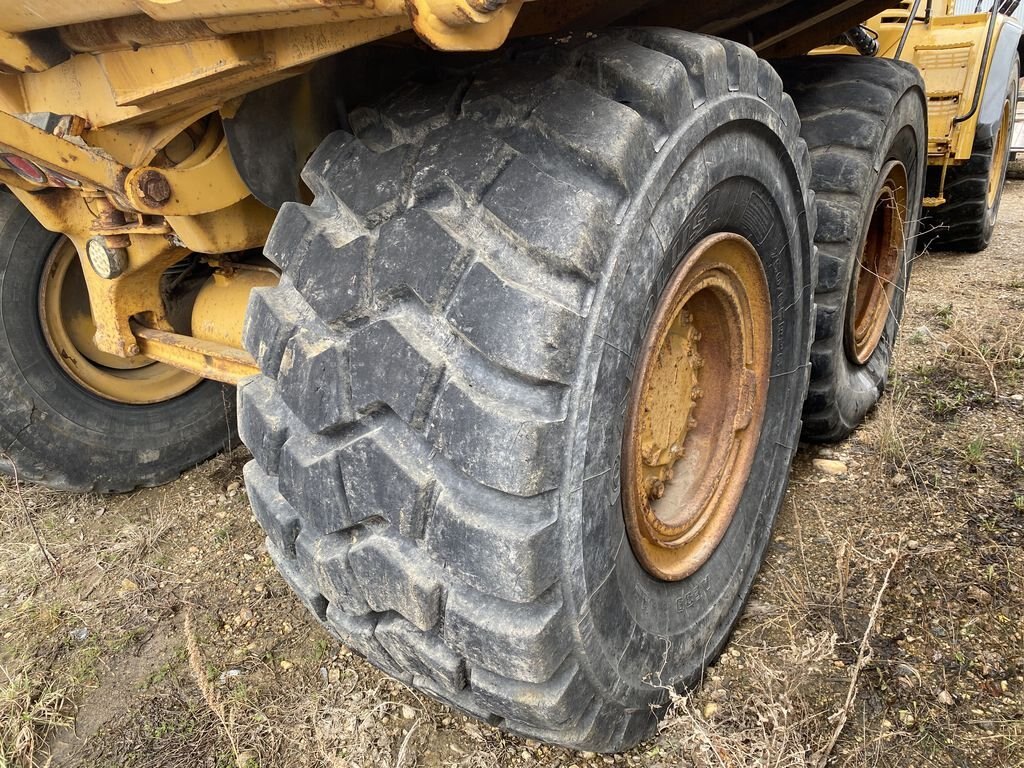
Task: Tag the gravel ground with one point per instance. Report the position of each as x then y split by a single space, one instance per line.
151 629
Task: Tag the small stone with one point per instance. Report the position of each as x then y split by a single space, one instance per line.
1017 398
285 665
245 615
233 487
905 717
408 713
945 699
709 710
979 595
830 466
899 479
79 635
127 585
913 545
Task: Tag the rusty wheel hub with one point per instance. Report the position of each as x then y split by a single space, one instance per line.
68 327
872 292
696 406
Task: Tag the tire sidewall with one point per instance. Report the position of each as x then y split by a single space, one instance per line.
646 633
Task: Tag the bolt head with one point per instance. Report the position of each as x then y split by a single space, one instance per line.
154 187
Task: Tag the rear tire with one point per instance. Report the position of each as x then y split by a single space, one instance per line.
973 191
56 432
862 119
447 364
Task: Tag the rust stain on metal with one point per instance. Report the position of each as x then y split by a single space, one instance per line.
875 281
208 359
696 406
154 187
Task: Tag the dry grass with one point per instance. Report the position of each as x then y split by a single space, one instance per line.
798 697
775 724
28 712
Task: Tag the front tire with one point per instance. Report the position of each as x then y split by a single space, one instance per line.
56 426
973 190
439 430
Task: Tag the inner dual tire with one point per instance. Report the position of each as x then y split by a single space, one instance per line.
532 380
864 121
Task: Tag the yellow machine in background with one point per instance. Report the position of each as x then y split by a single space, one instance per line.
970 62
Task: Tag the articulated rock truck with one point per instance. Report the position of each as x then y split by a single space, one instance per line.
526 305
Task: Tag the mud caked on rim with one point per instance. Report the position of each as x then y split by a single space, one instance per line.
696 406
875 282
66 319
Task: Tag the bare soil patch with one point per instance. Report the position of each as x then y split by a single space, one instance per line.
886 629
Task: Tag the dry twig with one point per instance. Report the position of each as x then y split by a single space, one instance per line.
863 657
47 555
213 702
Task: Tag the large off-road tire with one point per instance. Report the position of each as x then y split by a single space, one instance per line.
438 434
55 431
864 121
973 191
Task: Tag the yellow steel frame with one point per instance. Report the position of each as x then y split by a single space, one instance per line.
134 75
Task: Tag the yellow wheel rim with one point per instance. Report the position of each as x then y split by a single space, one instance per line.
696 407
879 268
69 330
